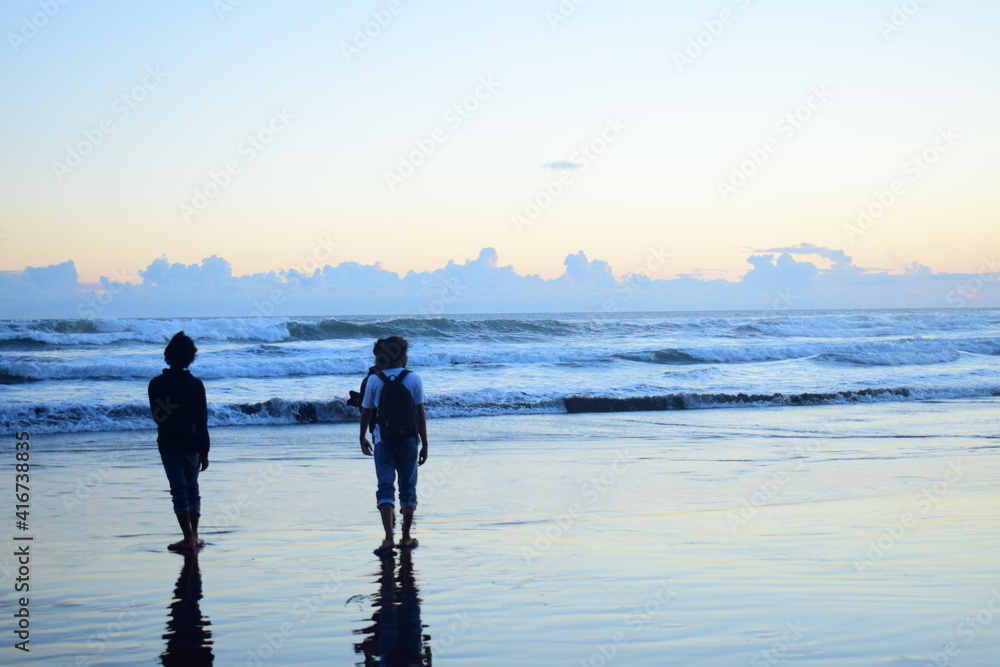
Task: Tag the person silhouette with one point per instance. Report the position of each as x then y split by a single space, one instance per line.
179 408
189 641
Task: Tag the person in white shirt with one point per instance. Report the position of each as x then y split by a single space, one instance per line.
394 457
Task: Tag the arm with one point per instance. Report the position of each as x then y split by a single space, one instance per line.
201 428
422 431
366 447
159 406
152 402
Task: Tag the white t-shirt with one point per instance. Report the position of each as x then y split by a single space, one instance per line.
373 390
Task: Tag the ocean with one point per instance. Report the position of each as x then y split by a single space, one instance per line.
83 375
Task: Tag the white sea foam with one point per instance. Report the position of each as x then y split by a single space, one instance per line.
298 369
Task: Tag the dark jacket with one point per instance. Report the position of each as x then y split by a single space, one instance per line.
178 405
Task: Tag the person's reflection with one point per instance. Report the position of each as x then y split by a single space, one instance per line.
189 641
396 638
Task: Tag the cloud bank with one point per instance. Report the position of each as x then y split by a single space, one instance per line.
778 279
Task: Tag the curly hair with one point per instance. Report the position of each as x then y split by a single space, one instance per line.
180 351
389 351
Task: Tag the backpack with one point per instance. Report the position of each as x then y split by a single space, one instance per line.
397 413
356 397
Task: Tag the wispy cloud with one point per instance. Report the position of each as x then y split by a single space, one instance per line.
839 258
562 165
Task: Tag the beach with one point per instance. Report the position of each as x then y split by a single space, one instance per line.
689 314
836 534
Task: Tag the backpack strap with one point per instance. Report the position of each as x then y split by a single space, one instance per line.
398 378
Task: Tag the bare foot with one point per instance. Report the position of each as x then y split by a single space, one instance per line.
186 544
387 547
408 543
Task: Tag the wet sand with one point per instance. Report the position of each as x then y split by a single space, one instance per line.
860 534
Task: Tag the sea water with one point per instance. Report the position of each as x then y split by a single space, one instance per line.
91 375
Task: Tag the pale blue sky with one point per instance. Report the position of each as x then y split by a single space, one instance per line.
655 184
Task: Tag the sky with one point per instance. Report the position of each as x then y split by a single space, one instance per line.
197 157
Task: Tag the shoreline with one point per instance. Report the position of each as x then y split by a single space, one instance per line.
307 413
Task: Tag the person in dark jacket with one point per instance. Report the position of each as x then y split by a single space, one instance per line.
180 410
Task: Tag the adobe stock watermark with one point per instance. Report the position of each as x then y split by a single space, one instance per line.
913 169
321 254
446 639
551 189
365 34
301 611
792 634
95 303
430 482
770 487
454 117
85 487
450 291
784 299
633 623
704 39
223 8
968 629
248 151
121 108
592 491
101 640
786 127
633 282
899 16
989 271
445 470
562 12
924 501
33 24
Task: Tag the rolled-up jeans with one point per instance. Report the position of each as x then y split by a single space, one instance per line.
182 473
392 459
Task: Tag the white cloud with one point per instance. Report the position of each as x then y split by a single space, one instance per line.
839 258
484 284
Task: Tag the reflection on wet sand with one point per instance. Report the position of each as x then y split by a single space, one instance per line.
396 637
189 641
